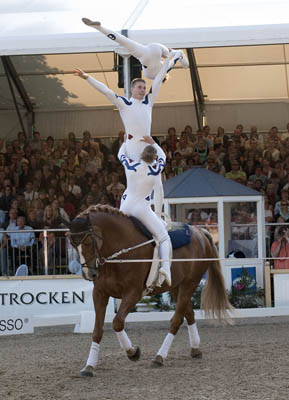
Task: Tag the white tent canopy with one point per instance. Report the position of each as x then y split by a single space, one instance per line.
49 26
46 39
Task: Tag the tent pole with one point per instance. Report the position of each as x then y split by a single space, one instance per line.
12 74
197 89
13 94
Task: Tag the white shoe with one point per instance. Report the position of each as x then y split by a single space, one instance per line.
184 61
88 22
167 275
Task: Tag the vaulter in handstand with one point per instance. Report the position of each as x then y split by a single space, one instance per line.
150 55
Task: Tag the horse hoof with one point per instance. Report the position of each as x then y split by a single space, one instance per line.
87 371
157 362
134 353
196 353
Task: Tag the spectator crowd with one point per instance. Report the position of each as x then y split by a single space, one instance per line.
46 181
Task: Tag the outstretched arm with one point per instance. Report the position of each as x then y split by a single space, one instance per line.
108 93
157 82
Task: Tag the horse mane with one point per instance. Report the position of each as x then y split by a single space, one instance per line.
102 208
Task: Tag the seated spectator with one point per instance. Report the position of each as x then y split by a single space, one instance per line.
236 172
184 148
22 243
258 175
117 143
96 192
272 151
59 211
258 185
271 194
46 176
11 222
171 139
32 219
30 194
115 183
68 207
49 217
111 163
284 200
69 197
202 149
73 187
80 180
280 248
50 144
115 196
37 205
25 176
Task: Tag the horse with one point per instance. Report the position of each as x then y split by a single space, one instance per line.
102 231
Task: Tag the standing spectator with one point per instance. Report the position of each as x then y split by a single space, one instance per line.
36 142
6 199
280 248
22 243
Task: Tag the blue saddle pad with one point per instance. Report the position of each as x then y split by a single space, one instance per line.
179 234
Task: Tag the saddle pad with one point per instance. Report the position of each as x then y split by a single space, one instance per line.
180 234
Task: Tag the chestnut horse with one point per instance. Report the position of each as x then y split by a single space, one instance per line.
102 231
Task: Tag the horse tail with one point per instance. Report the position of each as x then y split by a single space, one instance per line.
214 299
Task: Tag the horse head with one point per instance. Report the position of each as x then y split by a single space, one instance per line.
87 240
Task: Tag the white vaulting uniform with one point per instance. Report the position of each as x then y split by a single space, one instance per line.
136 116
150 55
141 178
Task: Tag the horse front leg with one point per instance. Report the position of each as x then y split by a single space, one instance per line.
127 304
183 299
100 302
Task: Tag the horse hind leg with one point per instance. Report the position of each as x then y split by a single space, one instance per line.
132 351
194 337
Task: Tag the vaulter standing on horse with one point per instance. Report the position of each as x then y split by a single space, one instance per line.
136 115
150 55
141 177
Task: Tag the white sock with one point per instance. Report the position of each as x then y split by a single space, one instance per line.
165 347
124 340
194 336
93 354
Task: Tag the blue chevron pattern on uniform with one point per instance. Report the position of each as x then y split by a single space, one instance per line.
128 103
127 165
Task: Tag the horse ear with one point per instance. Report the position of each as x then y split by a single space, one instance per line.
98 236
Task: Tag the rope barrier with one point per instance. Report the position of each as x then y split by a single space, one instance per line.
197 259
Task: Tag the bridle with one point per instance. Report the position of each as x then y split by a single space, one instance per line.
86 234
99 260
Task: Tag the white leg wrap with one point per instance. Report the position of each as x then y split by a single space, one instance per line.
124 340
194 336
93 354
165 347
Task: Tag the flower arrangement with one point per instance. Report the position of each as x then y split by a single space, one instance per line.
244 293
